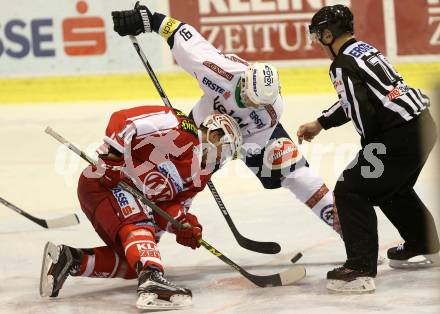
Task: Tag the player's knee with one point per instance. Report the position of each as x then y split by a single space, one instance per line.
131 230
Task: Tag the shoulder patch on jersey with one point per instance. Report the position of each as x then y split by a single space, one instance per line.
281 153
216 69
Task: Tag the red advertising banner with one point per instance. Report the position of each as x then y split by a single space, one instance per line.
272 29
417 27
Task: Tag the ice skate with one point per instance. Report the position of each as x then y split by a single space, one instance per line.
346 280
157 293
58 262
403 257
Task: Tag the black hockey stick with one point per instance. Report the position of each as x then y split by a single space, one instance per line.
64 221
260 247
284 278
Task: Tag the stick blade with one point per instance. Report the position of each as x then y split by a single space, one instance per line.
260 247
285 278
65 221
292 275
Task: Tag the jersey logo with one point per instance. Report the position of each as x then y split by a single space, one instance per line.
360 50
317 196
327 214
157 185
188 126
216 88
170 171
281 153
256 118
397 91
218 107
168 26
216 69
126 202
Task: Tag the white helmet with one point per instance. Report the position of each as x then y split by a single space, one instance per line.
232 138
260 83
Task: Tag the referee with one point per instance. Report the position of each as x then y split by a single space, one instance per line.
397 134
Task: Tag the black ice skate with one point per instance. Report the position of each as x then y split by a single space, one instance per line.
58 263
155 292
345 279
402 256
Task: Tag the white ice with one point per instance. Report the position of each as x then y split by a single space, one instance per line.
40 176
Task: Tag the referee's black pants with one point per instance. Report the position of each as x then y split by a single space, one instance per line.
384 174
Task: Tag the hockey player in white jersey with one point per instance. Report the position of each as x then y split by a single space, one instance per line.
250 93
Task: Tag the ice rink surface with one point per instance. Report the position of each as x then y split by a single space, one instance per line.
40 176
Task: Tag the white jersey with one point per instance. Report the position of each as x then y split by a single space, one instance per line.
218 75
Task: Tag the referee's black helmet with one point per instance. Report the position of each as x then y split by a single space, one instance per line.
338 19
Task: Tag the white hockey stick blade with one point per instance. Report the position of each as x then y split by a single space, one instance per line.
65 221
292 275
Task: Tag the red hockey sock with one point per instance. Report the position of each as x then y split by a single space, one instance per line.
140 247
105 263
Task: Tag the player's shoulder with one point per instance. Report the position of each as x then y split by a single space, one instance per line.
224 68
189 133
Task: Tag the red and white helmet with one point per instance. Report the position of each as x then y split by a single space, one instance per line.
232 138
260 83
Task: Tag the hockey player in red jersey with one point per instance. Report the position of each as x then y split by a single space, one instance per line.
161 152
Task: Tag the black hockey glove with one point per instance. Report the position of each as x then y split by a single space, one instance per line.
132 22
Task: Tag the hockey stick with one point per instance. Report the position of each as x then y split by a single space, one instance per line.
260 247
284 278
64 221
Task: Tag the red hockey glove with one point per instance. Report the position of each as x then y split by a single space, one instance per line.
111 168
191 235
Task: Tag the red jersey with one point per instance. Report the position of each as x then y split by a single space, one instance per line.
160 148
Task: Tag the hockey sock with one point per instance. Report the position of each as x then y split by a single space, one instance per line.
140 247
104 262
310 189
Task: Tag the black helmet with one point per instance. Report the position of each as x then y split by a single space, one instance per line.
337 18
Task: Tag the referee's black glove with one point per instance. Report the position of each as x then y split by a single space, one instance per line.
132 22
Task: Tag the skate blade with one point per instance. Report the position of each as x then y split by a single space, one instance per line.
149 301
419 261
357 286
50 256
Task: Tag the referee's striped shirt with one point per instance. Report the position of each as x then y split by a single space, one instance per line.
371 92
